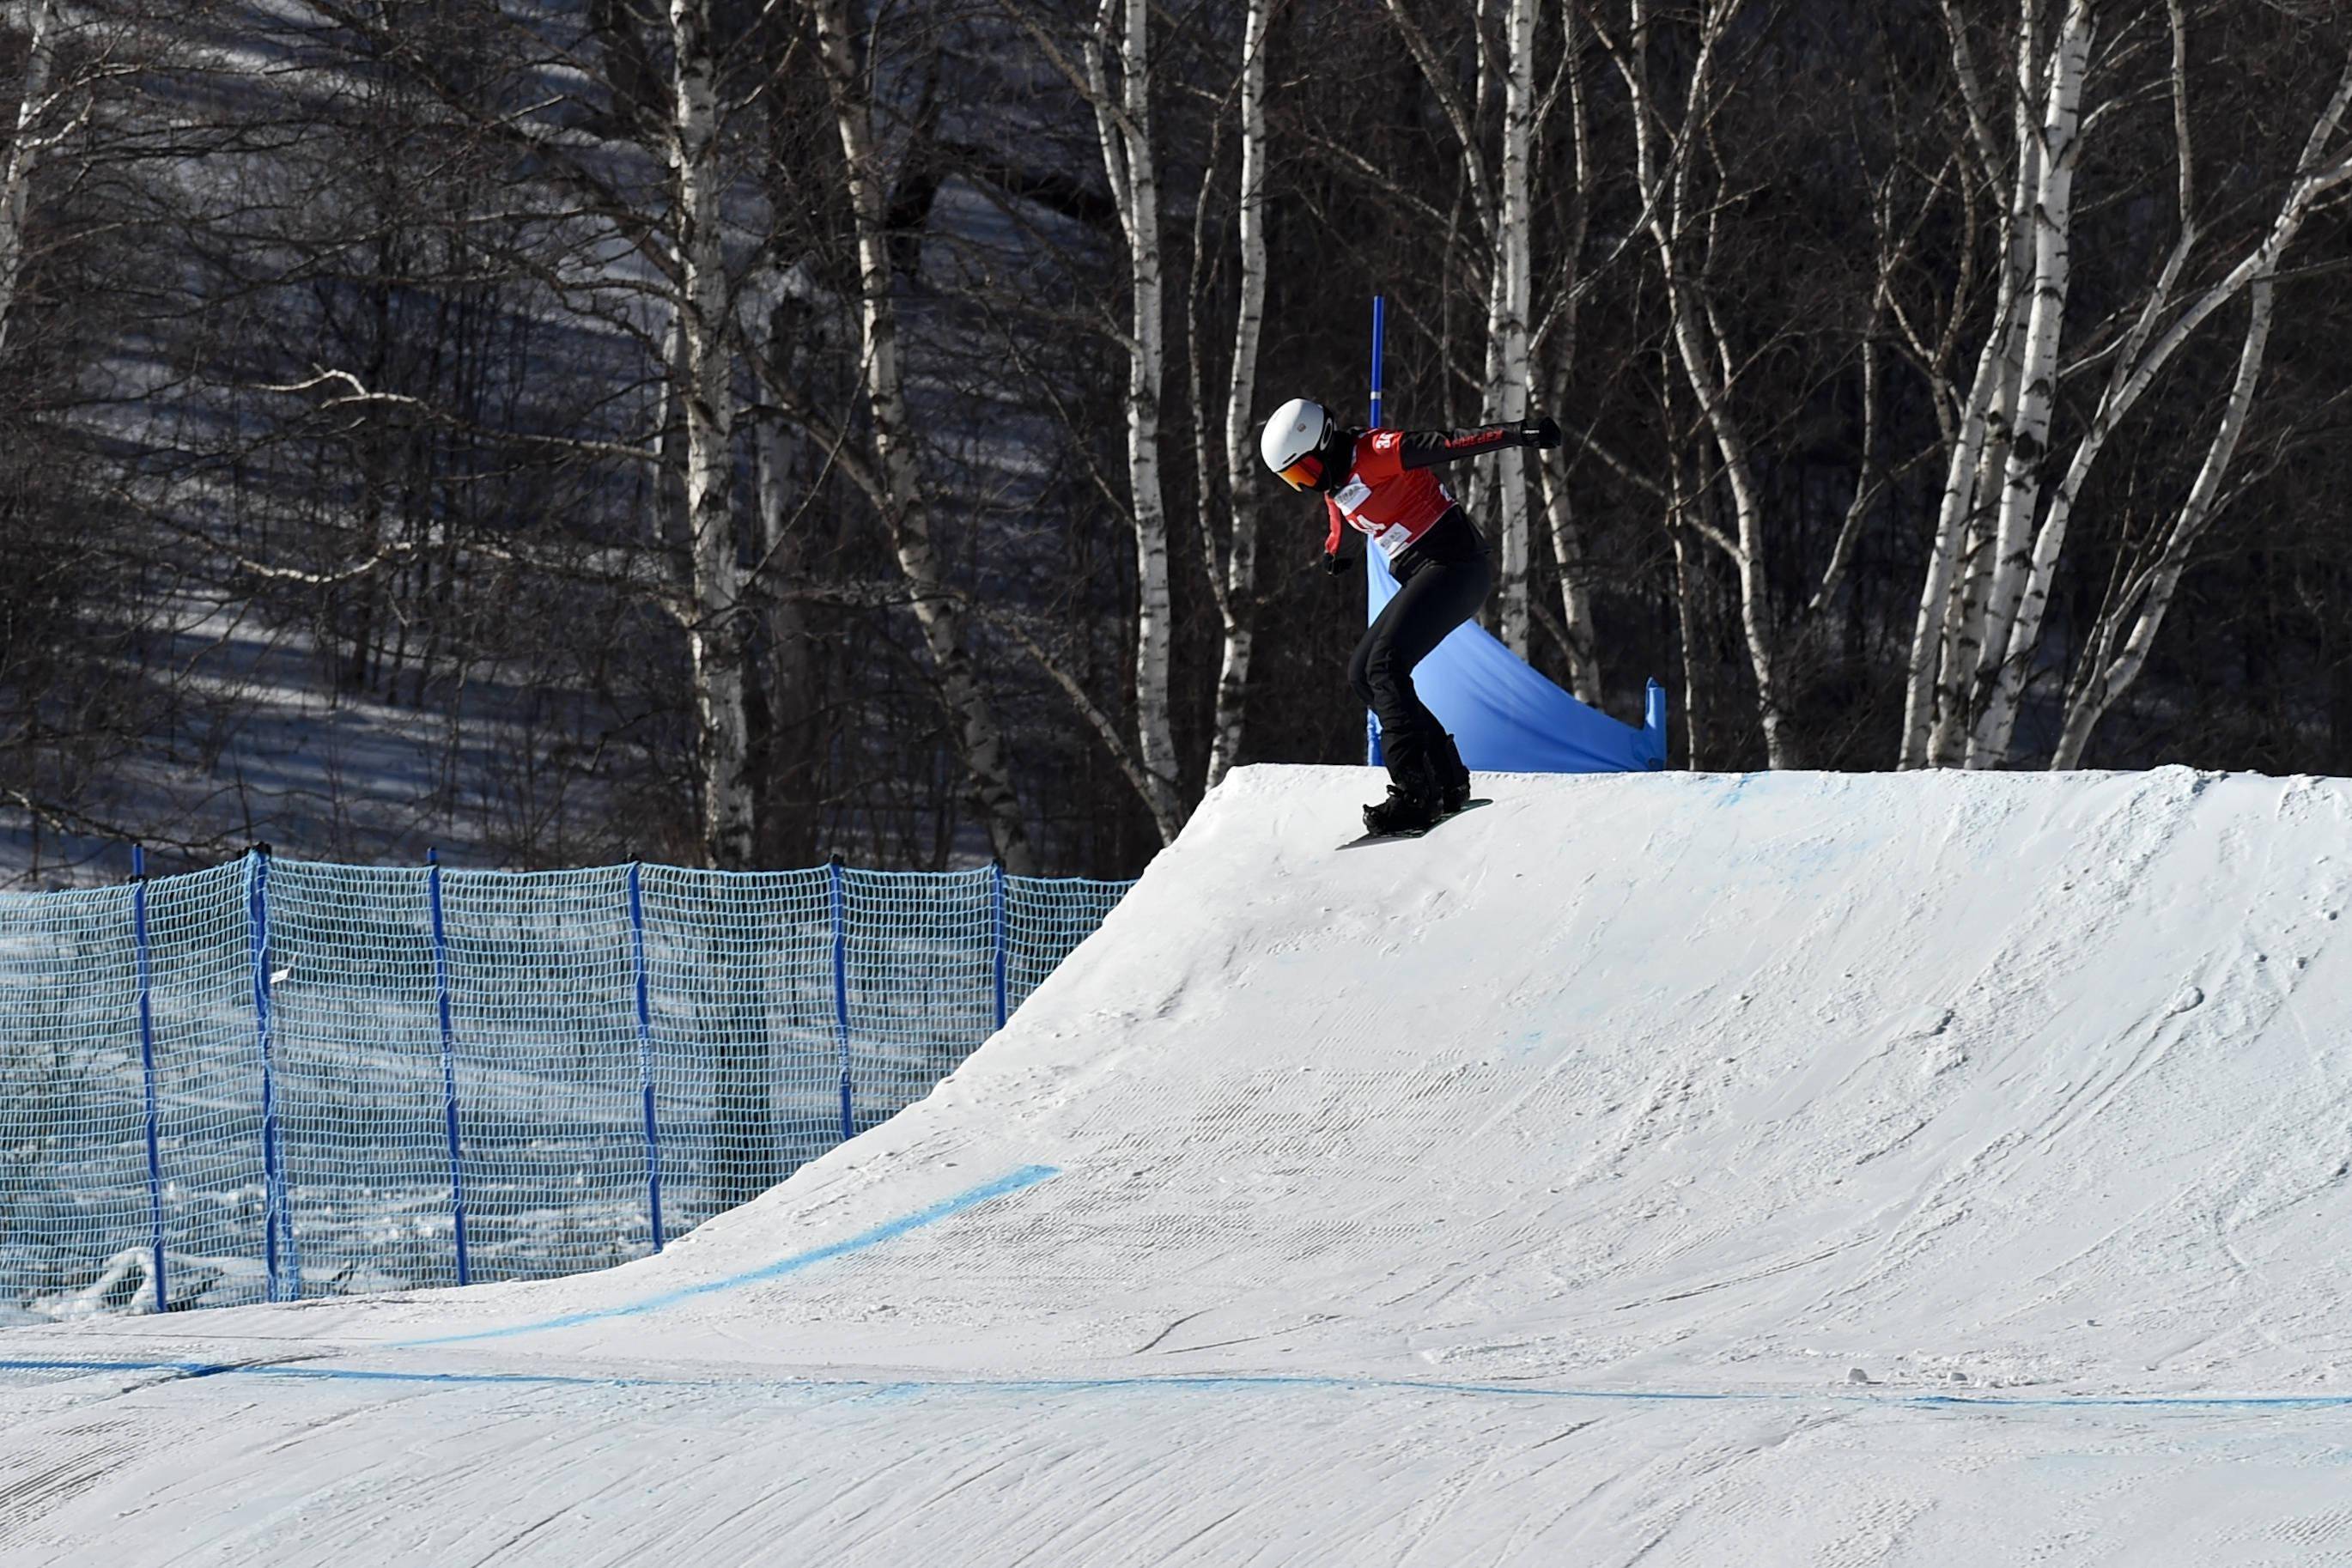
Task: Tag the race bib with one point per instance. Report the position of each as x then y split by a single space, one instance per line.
1351 495
1391 538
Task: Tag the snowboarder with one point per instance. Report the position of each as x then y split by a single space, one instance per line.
1378 482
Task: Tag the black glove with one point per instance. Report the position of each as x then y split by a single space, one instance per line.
1336 564
1542 433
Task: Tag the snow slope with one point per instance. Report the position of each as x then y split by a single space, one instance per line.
1783 1169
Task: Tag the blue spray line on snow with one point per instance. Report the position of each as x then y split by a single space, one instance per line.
645 1048
1027 1176
448 1064
1210 1384
302 1372
147 1068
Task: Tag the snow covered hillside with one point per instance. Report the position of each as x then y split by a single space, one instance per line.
1782 1169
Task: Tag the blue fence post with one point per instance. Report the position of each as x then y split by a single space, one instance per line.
448 1064
997 870
147 1065
278 1259
645 1046
841 993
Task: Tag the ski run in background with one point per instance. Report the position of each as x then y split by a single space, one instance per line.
1773 1170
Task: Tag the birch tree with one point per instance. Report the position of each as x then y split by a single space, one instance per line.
624 251
1578 639
1508 324
2053 155
1500 185
1118 86
1234 586
905 506
1112 73
1666 163
2002 532
37 108
2126 626
1952 589
718 629
83 66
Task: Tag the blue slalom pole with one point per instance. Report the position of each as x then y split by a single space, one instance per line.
147 1065
646 1049
1654 723
448 1065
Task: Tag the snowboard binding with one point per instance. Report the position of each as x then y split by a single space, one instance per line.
1423 792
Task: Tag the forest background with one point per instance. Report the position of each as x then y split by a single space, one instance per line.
732 431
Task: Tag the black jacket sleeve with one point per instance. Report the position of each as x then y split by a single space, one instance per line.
1427 449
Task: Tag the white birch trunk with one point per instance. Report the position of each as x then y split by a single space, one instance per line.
1567 534
24 154
717 635
2058 152
1482 477
906 510
1478 476
1238 604
1696 753
1961 635
1123 118
1937 614
1685 623
1507 327
1700 356
1983 451
2103 680
2137 364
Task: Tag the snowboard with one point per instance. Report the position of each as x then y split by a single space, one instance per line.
1416 832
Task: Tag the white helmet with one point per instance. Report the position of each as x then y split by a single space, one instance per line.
1297 431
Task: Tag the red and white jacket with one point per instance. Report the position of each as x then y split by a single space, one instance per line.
1389 496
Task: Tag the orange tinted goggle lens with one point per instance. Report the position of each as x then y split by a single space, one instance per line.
1302 473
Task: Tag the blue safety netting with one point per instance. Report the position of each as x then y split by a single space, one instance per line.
1506 717
276 1079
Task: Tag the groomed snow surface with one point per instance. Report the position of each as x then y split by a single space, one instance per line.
1681 1168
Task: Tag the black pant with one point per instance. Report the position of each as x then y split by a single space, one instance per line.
1433 598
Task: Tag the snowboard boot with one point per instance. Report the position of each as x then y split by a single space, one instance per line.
1453 779
1404 810
1415 801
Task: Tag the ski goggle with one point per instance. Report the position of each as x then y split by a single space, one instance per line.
1303 473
